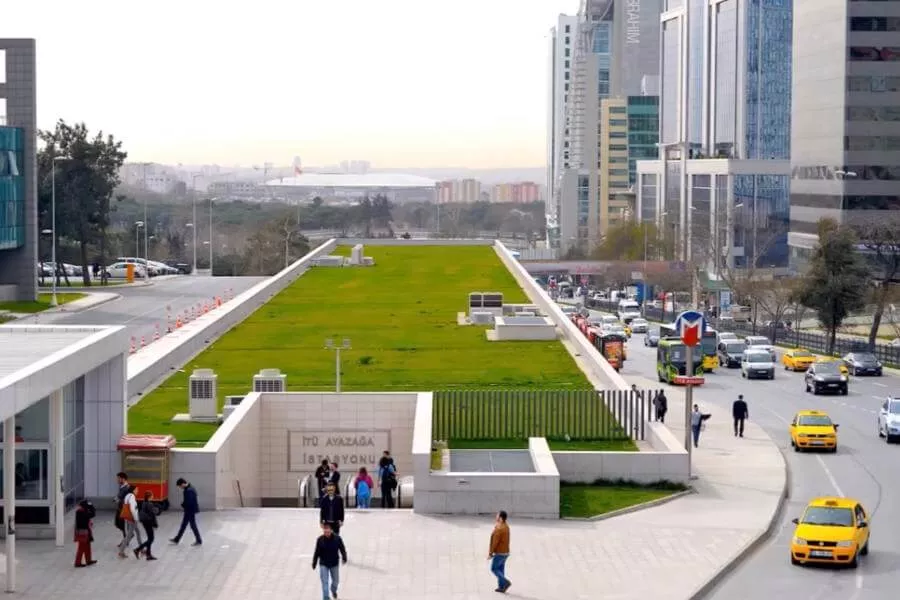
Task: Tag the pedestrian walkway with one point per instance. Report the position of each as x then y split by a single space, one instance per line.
90 300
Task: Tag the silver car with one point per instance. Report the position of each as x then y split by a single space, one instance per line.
639 325
889 420
757 363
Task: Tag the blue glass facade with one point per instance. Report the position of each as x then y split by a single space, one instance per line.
602 37
12 188
643 132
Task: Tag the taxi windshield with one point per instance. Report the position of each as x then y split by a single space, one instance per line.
828 515
814 420
802 354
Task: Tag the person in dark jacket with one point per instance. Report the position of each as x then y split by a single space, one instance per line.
334 477
740 411
147 516
387 475
331 510
661 404
321 479
124 486
191 507
83 534
328 547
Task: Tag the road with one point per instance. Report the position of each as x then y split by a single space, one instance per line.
864 467
144 308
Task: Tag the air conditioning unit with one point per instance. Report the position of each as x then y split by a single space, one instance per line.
203 395
231 403
269 380
482 318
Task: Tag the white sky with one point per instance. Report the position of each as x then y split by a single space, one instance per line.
402 83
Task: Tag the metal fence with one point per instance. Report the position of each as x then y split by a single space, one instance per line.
555 414
814 342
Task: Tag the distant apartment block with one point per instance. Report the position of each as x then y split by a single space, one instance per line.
459 191
159 179
18 170
519 193
236 189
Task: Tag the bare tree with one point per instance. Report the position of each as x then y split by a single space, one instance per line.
879 234
775 297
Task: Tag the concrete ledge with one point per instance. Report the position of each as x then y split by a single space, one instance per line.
151 365
631 509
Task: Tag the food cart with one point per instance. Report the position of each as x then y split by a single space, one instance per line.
612 347
146 460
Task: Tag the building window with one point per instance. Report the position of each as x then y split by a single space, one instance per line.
617 122
567 52
874 53
618 147
568 28
567 64
874 24
618 134
617 110
567 41
566 76
566 87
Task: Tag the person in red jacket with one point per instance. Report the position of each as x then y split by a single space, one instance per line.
83 535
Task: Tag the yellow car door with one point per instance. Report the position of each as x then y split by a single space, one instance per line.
862 533
793 431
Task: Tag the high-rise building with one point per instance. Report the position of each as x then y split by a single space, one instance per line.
635 46
18 171
520 193
614 205
459 191
725 80
845 128
562 54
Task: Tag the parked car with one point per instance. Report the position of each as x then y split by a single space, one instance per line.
639 325
863 363
755 363
730 353
889 420
824 377
119 270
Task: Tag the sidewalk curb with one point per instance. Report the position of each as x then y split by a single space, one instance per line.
753 544
635 508
62 308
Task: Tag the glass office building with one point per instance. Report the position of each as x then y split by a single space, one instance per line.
12 189
643 132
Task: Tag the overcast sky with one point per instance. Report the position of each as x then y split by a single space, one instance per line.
415 83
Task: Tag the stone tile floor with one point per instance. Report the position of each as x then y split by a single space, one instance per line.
662 553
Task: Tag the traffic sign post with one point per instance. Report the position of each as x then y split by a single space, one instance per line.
690 326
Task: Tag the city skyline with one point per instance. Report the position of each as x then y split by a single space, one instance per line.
234 87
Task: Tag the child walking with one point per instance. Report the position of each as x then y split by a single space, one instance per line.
363 488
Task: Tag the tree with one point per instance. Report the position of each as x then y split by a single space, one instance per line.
836 279
775 297
273 246
87 173
631 240
880 237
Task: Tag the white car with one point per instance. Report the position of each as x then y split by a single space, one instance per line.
760 342
639 325
726 336
119 270
628 310
889 420
757 363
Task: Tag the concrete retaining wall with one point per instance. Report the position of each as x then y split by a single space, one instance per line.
151 365
413 242
668 461
591 356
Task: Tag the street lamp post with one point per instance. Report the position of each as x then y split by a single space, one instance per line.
144 223
330 345
53 299
137 244
211 236
194 218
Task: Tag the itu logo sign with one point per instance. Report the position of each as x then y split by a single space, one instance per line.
633 21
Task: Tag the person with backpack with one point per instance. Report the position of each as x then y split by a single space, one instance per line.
122 480
129 516
364 487
387 473
84 534
147 516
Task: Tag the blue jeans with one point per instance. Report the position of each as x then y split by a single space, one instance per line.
363 501
188 519
324 574
695 429
498 568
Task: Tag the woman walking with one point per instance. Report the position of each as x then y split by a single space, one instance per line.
147 515
364 485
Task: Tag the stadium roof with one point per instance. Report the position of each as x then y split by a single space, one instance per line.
353 180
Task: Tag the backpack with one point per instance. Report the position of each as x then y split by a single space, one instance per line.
362 488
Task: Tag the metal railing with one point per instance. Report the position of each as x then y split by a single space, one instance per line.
405 500
350 493
303 487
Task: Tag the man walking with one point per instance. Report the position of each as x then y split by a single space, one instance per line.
387 474
740 411
122 480
191 506
328 547
661 404
499 551
697 419
331 510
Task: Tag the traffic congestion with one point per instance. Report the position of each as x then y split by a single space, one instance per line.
837 421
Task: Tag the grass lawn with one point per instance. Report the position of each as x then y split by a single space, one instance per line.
78 283
561 445
585 501
400 316
42 303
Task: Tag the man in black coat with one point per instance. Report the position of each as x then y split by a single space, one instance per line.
328 547
740 412
331 509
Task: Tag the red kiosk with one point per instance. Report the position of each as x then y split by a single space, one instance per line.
146 460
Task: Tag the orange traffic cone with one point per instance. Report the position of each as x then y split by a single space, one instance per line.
133 349
143 341
156 333
218 302
178 323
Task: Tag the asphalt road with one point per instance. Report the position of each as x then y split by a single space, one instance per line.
865 467
141 309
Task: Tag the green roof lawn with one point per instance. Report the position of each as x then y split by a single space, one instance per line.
400 316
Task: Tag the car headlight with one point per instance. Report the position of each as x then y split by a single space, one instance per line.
843 378
799 541
845 544
878 364
819 378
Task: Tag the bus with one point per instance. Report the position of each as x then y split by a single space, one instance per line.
707 345
671 359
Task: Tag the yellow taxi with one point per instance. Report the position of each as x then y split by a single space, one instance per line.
831 530
827 359
813 430
797 359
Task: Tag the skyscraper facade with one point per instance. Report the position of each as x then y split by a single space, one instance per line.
845 134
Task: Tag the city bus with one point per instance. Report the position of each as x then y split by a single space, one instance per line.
671 362
707 345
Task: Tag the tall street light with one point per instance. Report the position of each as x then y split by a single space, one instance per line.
194 177
137 243
194 233
56 159
331 345
211 236
644 274
143 223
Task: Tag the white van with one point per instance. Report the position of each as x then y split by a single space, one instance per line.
628 310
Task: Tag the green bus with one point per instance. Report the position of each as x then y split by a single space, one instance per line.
671 359
707 345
